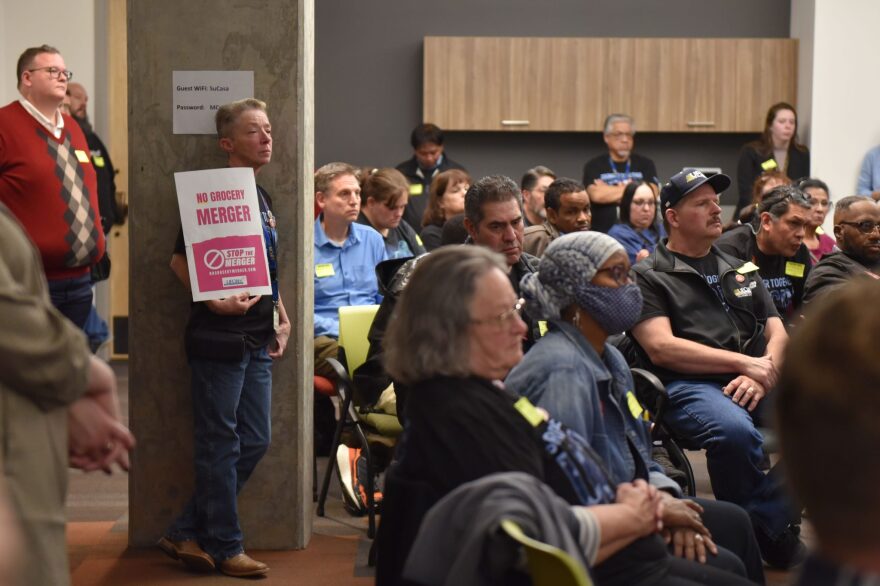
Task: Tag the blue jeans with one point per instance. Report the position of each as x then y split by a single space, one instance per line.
699 411
232 426
72 297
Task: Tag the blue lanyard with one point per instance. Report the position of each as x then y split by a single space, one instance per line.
270 235
625 174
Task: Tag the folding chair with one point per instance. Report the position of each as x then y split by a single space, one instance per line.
548 565
354 324
652 394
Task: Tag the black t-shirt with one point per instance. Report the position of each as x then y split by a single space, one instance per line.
707 266
226 337
638 168
783 277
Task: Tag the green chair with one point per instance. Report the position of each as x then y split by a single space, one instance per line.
548 565
368 427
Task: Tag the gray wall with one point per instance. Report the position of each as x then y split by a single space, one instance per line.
368 75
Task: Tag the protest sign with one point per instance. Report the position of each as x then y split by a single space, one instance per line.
225 249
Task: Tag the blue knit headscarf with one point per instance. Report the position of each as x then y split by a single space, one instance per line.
568 265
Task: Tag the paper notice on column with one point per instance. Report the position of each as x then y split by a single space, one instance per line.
225 249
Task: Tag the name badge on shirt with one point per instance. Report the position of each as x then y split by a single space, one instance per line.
416 189
635 408
769 164
529 411
98 160
749 267
324 270
81 156
794 269
542 327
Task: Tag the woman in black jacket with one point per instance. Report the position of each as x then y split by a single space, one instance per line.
778 148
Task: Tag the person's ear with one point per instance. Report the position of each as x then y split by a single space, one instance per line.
226 145
671 216
838 232
471 229
552 215
766 220
320 199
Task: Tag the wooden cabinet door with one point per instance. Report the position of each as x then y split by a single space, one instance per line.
517 84
571 84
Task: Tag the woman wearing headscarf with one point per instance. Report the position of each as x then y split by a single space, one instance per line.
584 289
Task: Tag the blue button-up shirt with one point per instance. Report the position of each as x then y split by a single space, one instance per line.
345 275
869 176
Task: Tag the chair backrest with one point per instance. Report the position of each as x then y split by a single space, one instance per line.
548 565
354 325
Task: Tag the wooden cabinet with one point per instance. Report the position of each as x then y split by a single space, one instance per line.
571 84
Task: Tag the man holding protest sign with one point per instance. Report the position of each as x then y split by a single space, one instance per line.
230 343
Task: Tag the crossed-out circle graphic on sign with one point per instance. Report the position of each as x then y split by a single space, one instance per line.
214 259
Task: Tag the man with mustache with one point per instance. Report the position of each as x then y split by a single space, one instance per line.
568 210
856 221
710 331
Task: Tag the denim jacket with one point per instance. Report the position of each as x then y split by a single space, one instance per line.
563 374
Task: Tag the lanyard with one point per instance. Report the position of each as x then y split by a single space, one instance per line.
620 177
270 235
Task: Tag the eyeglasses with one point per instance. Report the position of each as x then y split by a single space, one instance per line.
644 203
619 135
822 203
621 275
504 318
55 73
865 226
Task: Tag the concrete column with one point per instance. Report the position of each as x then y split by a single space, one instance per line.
275 40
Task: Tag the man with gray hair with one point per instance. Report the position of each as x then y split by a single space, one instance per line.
493 218
606 175
775 242
534 185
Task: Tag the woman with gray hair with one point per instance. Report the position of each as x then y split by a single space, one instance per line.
584 289
455 333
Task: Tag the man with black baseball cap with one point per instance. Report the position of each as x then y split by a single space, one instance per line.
710 331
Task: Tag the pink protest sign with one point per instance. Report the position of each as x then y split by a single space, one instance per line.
225 249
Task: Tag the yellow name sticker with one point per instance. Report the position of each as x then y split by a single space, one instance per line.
81 156
529 411
542 327
99 161
324 270
749 267
635 408
416 189
769 164
419 240
794 269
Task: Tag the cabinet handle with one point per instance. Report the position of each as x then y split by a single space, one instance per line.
707 124
514 123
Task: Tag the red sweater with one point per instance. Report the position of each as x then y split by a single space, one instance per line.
49 184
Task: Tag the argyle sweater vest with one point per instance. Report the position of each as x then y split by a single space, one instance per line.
49 184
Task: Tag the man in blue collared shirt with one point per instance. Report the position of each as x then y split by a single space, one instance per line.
346 255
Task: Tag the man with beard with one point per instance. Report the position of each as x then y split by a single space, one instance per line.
856 221
776 244
106 174
567 209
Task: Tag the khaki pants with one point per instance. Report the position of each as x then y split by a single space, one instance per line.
325 347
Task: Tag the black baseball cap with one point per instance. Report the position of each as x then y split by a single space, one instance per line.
687 180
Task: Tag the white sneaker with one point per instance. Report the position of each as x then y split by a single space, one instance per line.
346 460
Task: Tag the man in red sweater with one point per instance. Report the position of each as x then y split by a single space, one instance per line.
47 180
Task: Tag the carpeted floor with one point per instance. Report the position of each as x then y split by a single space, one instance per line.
336 556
